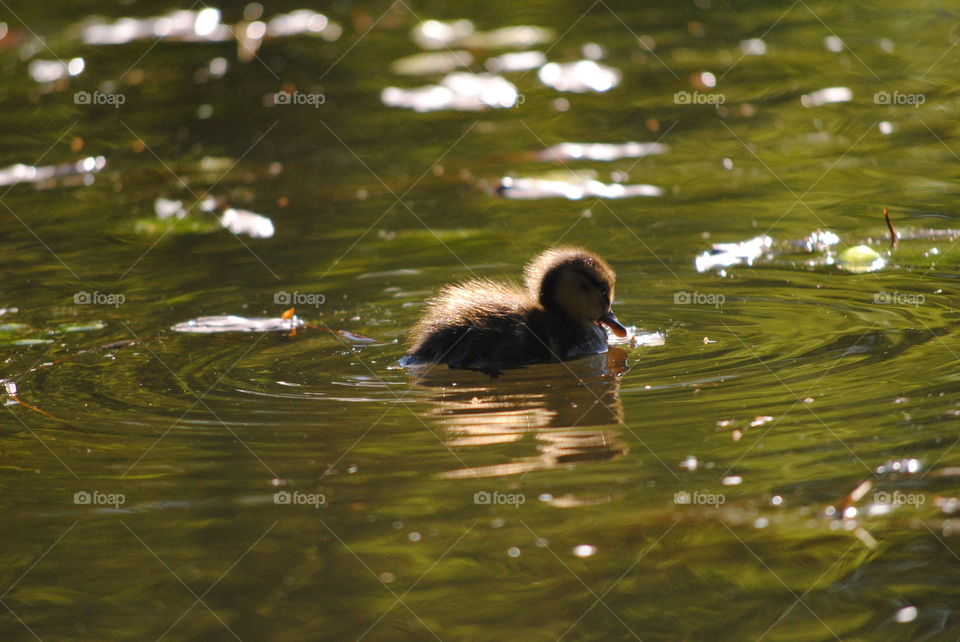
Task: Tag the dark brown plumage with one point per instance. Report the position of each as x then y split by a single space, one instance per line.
486 325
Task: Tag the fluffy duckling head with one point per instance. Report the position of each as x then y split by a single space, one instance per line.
574 283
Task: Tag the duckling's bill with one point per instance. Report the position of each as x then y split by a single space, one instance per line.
610 321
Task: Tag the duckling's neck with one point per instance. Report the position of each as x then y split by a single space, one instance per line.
564 336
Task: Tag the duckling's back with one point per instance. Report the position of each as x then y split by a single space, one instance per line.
479 324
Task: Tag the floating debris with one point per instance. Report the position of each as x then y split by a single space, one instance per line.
250 223
516 61
601 151
230 323
431 63
573 185
860 259
579 77
460 91
84 168
729 254
827 96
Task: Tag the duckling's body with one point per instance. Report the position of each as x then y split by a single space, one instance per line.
486 325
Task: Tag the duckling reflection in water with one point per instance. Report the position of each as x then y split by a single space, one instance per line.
562 406
486 325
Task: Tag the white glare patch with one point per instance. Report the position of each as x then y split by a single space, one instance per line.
834 44
249 223
601 151
732 480
256 30
708 79
459 91
827 96
579 77
517 61
820 240
906 614
574 188
218 67
75 67
885 127
434 34
46 71
753 47
592 50
206 22
584 550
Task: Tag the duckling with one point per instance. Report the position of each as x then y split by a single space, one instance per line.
487 325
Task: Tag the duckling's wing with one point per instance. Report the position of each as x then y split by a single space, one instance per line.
471 325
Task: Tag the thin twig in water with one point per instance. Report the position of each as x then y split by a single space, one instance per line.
894 237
